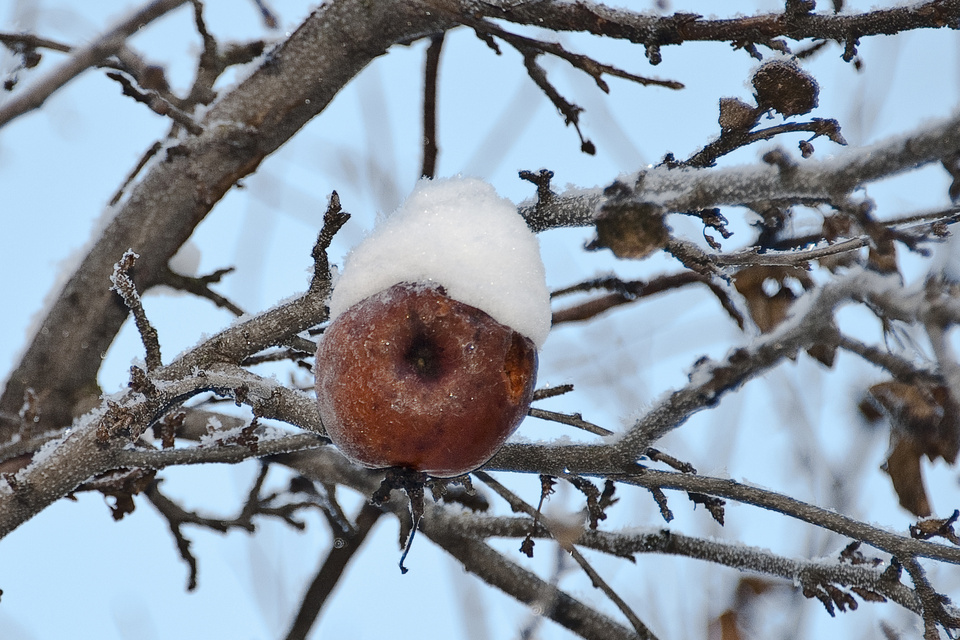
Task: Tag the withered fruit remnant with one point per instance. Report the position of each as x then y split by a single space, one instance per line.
411 378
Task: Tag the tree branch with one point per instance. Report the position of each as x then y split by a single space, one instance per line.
83 58
682 190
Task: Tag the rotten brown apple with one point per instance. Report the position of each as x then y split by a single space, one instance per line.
409 377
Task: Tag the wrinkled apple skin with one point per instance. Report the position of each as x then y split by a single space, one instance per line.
411 378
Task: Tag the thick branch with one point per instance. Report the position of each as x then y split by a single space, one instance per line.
655 31
295 82
682 190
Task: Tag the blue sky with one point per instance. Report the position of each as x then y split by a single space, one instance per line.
72 572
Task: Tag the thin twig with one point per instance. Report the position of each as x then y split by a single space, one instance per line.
157 103
200 287
585 63
29 41
333 219
900 368
220 453
933 611
430 145
521 505
730 554
345 546
626 292
551 392
84 58
123 284
574 420
732 140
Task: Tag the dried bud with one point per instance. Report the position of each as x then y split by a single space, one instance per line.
786 88
737 115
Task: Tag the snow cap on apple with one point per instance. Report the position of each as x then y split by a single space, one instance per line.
430 359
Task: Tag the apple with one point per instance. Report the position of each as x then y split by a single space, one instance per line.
409 377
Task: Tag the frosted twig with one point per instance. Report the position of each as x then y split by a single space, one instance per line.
157 103
96 441
884 540
600 460
789 258
574 420
899 368
735 555
732 140
123 284
83 58
333 219
932 605
550 392
200 287
681 190
226 453
517 504
655 31
491 567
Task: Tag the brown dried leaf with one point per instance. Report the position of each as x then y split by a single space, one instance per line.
924 413
842 599
713 505
934 527
526 547
903 467
727 621
631 231
852 554
784 87
883 257
838 227
867 595
823 353
767 298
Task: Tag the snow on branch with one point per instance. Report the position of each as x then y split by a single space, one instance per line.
684 189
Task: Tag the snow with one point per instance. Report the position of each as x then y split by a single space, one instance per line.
459 234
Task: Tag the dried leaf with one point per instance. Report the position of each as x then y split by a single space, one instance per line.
924 413
838 227
526 547
122 485
630 230
903 467
882 258
729 630
942 527
713 505
842 599
825 354
816 591
767 294
852 554
868 596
